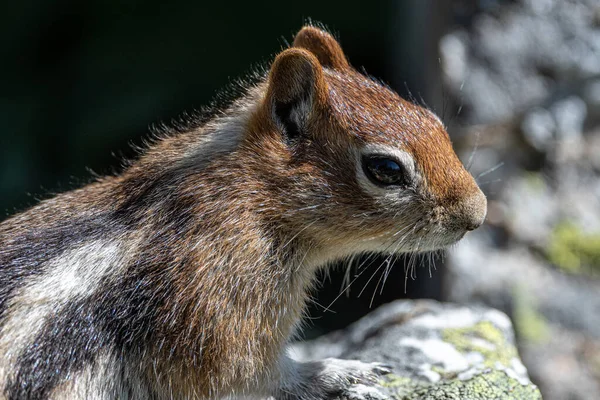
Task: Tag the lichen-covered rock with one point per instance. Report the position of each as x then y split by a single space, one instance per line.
527 74
555 313
438 351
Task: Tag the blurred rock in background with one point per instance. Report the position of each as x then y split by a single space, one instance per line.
526 75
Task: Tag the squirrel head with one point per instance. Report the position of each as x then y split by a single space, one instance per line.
355 167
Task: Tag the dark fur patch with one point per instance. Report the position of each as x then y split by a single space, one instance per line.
283 111
127 314
122 317
159 194
30 249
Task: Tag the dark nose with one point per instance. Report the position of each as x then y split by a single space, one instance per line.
474 210
471 226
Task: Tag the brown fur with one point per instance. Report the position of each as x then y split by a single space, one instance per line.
234 235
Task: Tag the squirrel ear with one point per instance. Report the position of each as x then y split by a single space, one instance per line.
296 87
323 46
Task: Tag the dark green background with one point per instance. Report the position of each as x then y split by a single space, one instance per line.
82 80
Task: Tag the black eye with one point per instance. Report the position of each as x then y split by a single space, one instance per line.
384 171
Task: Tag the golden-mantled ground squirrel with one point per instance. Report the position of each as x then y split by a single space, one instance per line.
184 276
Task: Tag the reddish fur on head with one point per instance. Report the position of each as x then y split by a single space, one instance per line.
337 112
323 46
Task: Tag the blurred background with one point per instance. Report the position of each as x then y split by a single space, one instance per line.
517 83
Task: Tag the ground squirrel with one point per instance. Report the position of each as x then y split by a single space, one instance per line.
185 275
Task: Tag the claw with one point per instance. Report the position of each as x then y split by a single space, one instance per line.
382 369
345 379
362 392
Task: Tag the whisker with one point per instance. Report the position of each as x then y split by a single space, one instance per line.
472 156
298 233
388 269
385 272
369 281
376 286
368 258
429 262
304 258
347 274
328 308
397 243
489 171
488 182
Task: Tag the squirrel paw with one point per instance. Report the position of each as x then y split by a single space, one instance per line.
333 378
351 379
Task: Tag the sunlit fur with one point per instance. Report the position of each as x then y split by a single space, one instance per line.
185 276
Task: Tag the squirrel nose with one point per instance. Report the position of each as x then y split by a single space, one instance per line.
474 210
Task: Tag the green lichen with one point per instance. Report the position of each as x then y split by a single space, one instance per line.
466 339
530 325
535 182
489 383
442 372
573 250
492 384
401 386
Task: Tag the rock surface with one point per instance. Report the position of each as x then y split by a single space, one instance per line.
437 351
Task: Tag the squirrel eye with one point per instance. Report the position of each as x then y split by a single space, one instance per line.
384 171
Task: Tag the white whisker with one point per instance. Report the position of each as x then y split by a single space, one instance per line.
488 182
298 233
472 156
489 171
